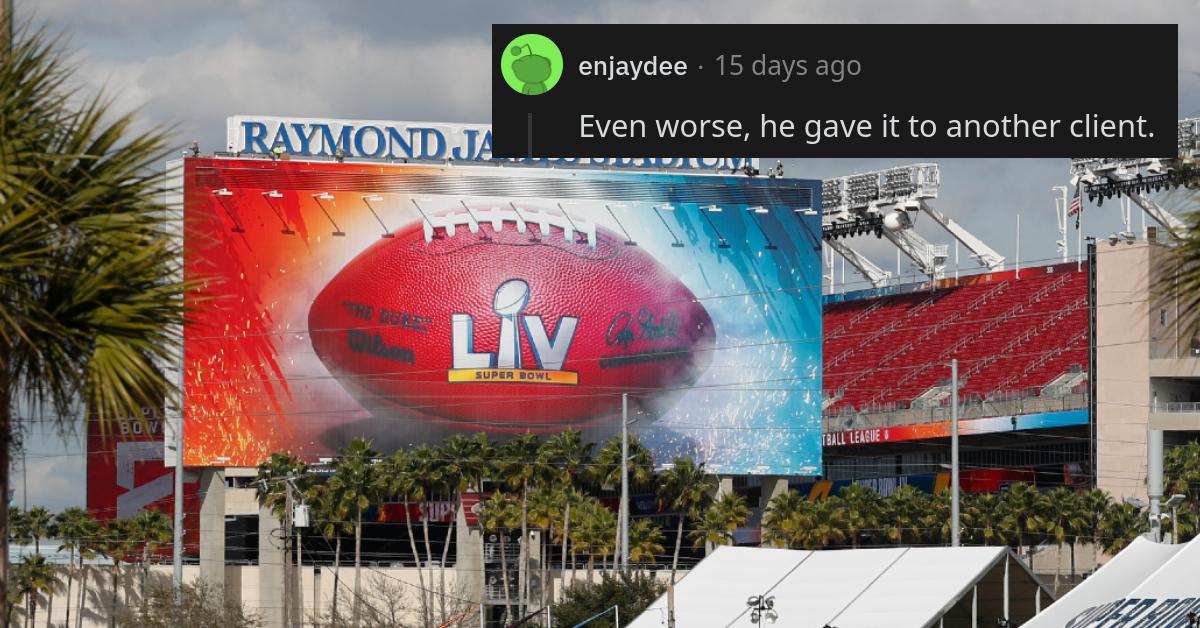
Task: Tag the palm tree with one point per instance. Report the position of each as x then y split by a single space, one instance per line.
331 517
93 545
937 524
520 466
37 523
826 526
985 509
150 529
606 469
1122 524
645 541
499 515
35 575
115 545
594 533
861 512
781 509
1182 470
685 489
902 513
1059 518
568 455
1021 503
728 513
1094 505
545 511
75 528
356 485
87 304
462 463
399 477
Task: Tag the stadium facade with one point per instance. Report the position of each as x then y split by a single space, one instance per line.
1063 368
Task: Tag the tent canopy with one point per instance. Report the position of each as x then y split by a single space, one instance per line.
854 588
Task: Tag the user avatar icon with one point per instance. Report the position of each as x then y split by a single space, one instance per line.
531 64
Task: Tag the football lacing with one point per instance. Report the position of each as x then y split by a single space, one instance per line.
498 216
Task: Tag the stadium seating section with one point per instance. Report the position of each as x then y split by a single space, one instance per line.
1012 336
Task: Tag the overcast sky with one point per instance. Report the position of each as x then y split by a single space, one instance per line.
190 64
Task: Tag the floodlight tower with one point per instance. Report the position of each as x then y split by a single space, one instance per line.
1133 177
886 204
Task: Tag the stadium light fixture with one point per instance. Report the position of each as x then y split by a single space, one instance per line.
326 196
670 208
367 199
758 209
267 196
628 238
482 236
716 209
721 242
237 224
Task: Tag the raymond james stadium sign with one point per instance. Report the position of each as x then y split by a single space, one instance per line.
380 139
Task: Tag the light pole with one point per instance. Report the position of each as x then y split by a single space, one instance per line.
762 607
955 541
624 523
1173 504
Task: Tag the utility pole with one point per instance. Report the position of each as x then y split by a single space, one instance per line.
623 534
954 514
288 620
671 604
1154 471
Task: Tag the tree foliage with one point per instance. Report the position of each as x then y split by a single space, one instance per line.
632 593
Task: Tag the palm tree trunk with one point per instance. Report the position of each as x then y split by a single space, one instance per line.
1057 570
1073 561
523 550
412 543
446 554
50 606
145 572
116 578
5 443
566 535
357 566
32 618
678 539
428 560
337 563
508 610
591 563
70 581
82 593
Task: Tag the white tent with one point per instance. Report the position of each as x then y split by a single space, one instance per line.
865 588
1112 582
1162 597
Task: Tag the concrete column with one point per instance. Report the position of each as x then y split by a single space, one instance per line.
468 557
772 485
270 569
212 528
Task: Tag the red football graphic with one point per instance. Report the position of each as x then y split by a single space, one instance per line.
508 320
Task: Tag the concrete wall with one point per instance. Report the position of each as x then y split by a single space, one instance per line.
1122 366
392 592
384 589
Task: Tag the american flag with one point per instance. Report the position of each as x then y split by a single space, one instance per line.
1076 205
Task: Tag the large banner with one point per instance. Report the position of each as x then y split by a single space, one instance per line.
125 474
405 303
